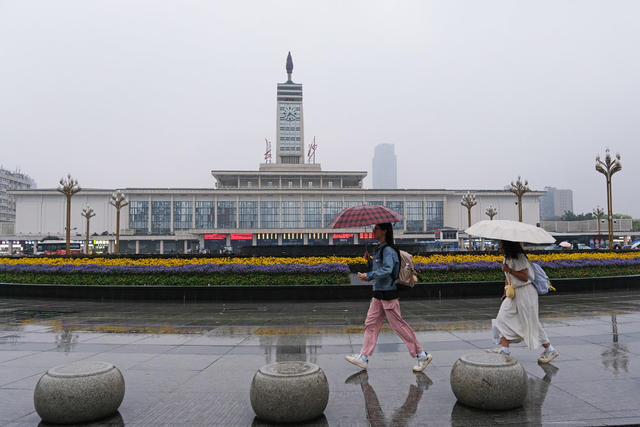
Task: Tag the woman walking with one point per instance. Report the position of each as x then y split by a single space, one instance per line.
385 303
518 319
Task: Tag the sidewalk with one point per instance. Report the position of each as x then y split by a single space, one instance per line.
192 364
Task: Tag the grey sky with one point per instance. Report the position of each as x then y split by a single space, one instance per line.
474 93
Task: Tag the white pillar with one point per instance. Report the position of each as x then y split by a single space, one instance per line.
186 246
161 247
137 247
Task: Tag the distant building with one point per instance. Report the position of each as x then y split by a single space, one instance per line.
11 181
384 170
555 203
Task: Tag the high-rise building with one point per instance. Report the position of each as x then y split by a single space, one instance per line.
555 203
290 120
11 181
384 167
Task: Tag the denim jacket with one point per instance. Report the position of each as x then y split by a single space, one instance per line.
385 269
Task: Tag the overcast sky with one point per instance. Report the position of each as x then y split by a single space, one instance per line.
473 93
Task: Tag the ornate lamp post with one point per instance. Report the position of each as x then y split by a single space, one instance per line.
469 201
519 188
119 201
491 212
88 214
608 168
68 186
599 214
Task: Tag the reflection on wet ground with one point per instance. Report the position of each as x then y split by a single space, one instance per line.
190 364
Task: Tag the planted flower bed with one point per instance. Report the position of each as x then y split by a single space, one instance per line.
203 271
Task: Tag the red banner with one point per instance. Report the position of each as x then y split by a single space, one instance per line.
343 235
215 236
241 236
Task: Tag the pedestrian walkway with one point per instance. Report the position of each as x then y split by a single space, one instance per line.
192 364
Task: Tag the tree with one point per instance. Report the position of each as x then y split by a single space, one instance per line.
68 186
519 188
491 212
88 214
118 201
469 201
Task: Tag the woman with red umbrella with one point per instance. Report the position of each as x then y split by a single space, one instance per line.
385 303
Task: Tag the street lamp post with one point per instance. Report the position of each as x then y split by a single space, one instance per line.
68 186
608 168
519 188
598 213
491 212
469 201
119 201
88 214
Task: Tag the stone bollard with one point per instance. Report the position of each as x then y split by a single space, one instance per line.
288 392
489 381
79 392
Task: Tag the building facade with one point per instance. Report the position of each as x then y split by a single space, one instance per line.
555 203
288 202
11 181
384 168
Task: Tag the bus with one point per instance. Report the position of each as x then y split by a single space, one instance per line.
59 247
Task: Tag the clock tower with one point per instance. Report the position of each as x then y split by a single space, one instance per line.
290 123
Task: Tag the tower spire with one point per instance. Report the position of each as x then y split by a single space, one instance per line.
289 67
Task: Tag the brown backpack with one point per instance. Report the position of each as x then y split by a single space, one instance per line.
407 275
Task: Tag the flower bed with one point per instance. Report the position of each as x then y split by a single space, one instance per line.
450 267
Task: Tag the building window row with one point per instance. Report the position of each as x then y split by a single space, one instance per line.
270 214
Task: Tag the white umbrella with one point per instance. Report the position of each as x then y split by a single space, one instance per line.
501 229
565 244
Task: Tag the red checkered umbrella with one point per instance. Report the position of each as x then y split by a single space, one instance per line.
362 216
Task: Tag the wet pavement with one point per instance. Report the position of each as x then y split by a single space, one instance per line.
192 364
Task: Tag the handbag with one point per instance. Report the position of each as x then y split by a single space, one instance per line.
509 289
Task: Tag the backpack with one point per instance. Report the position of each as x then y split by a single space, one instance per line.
540 279
407 275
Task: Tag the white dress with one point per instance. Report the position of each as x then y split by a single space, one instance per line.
518 319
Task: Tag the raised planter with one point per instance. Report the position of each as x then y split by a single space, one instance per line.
289 392
489 381
299 292
79 392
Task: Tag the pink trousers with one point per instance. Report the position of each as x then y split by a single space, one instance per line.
378 310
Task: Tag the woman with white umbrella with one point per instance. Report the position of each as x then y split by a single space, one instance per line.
517 318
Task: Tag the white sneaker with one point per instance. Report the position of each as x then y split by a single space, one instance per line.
547 356
357 360
423 362
497 350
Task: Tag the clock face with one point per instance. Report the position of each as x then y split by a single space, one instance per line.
289 113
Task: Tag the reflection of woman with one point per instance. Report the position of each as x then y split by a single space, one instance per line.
518 319
385 303
402 415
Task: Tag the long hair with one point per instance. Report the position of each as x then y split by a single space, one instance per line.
388 232
511 250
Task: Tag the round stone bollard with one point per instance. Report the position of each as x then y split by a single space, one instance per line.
79 392
288 392
489 381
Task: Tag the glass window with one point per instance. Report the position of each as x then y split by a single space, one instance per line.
352 203
313 214
182 215
434 215
248 214
396 206
269 214
414 217
331 209
205 214
139 216
160 217
375 202
291 214
227 214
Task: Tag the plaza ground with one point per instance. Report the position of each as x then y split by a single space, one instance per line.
192 364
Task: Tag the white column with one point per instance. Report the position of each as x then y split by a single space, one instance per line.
171 216
161 247
149 220
237 212
215 212
193 212
186 246
137 247
10 243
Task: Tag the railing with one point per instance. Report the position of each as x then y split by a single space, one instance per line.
588 226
